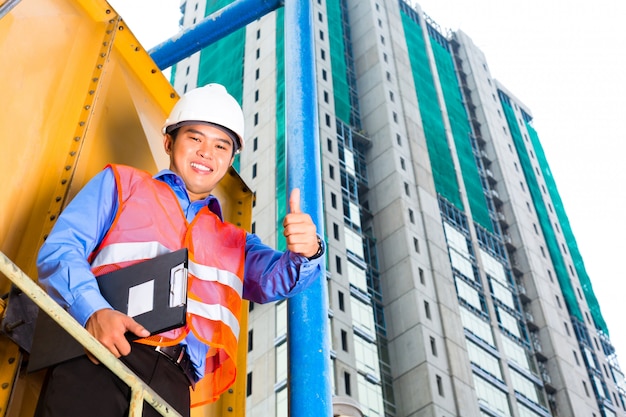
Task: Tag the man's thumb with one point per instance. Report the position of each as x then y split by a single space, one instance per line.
294 201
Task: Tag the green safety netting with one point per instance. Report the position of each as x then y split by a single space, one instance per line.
461 131
444 173
281 158
544 220
566 229
339 67
442 166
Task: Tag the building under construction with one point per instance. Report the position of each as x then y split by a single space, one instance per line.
455 284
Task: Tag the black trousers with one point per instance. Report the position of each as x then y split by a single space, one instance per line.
78 388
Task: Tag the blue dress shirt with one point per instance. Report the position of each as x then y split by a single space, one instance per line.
64 271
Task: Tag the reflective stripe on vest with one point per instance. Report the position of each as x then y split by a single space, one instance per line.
209 273
214 312
127 252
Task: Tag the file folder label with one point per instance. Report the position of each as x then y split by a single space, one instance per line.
141 298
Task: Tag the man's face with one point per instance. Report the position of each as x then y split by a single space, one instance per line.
201 156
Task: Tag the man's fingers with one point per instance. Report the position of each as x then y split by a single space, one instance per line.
137 329
294 201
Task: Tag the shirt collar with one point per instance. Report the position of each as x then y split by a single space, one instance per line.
177 184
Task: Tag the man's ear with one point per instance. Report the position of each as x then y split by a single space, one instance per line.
168 142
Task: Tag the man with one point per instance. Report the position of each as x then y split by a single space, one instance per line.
123 215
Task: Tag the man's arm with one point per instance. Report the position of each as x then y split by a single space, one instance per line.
63 266
64 270
271 275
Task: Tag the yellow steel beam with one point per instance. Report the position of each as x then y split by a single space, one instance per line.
79 91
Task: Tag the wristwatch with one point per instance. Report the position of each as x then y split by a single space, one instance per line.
320 250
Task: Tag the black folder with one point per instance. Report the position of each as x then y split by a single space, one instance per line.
153 292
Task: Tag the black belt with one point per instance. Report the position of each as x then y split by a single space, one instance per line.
178 355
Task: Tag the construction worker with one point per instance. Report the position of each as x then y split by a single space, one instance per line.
124 213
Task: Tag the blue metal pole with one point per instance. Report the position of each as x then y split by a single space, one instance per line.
210 29
308 344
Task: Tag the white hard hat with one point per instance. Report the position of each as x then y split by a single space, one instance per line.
209 104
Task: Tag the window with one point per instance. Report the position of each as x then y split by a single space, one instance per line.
402 164
256 95
576 358
342 305
258 34
338 264
321 35
439 385
388 76
427 309
411 216
324 75
346 383
256 119
433 346
558 302
336 231
258 53
407 191
249 384
250 342
344 340
320 17
416 245
395 117
566 328
257 73
253 229
333 200
422 278
323 54
326 99
331 172
327 120
398 139
255 144
253 170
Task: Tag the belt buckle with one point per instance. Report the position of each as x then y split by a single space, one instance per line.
170 352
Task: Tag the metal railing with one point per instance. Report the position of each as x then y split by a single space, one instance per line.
139 390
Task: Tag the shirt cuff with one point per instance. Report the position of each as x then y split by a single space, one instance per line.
87 303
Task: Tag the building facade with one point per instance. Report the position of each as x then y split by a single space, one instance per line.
455 284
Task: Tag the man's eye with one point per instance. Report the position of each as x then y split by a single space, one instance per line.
194 138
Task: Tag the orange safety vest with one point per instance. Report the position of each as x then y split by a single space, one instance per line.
150 222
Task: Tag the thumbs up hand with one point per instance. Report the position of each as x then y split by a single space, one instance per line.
300 230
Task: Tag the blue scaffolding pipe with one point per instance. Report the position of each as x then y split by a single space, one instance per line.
308 336
309 346
210 29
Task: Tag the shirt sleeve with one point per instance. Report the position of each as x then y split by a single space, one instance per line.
62 263
271 275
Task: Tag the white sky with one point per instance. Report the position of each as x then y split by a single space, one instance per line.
565 60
